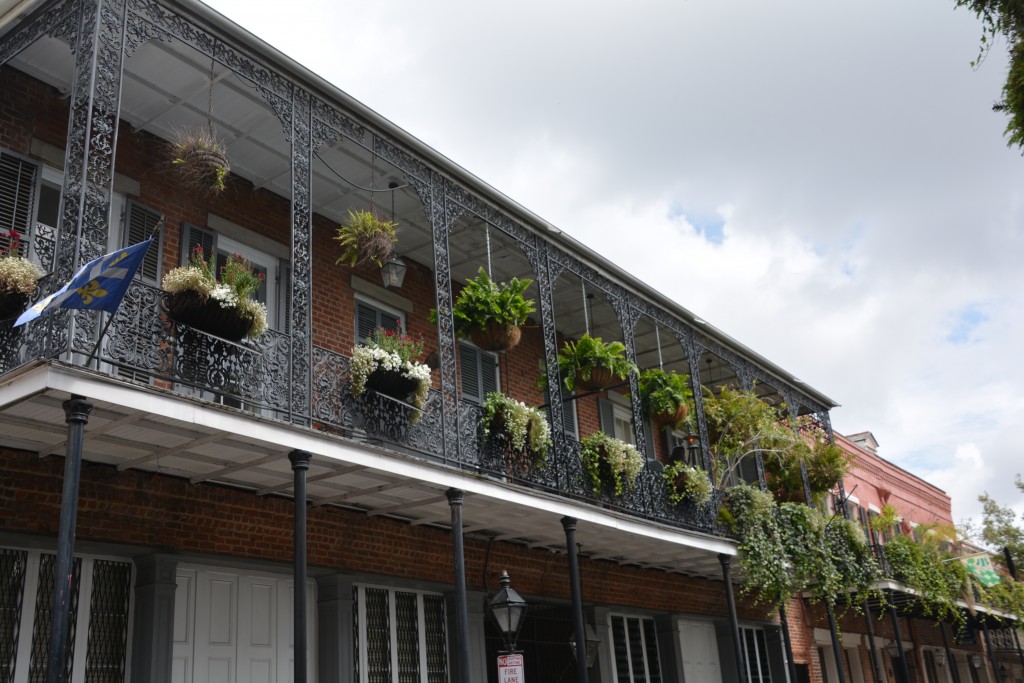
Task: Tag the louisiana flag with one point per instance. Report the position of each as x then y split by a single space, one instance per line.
99 285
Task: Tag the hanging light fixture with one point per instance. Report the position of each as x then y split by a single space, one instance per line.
509 611
593 642
393 272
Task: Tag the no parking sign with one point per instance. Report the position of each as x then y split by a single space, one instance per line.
510 669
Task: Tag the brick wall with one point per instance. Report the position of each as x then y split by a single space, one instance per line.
168 514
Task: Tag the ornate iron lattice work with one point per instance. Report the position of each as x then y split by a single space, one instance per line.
12 587
41 626
108 622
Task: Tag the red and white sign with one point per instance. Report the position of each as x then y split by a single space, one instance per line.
510 669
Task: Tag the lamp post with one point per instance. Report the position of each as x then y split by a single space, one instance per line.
509 611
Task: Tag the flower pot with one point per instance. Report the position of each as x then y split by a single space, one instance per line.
190 308
12 304
498 337
670 418
391 383
600 378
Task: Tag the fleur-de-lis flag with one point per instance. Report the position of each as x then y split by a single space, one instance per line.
99 285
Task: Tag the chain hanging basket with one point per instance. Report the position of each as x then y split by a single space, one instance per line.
392 383
600 379
498 337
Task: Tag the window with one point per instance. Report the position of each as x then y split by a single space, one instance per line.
570 427
139 223
755 655
17 195
371 315
635 648
478 373
98 616
400 636
617 417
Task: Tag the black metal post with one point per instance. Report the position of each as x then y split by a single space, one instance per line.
300 464
76 415
837 650
734 623
876 662
788 643
455 497
899 642
991 652
1016 642
579 634
950 657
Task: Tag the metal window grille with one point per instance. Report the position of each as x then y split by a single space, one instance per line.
636 650
755 653
12 586
108 622
399 636
41 628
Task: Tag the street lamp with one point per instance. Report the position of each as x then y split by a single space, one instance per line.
509 610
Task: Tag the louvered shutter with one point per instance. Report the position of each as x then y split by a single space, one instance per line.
569 415
488 374
366 321
649 440
469 368
139 224
18 181
193 236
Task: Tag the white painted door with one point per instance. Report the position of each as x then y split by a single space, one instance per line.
699 646
235 627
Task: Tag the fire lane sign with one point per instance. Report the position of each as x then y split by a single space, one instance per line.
510 669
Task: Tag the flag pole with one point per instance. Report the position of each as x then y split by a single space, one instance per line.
110 318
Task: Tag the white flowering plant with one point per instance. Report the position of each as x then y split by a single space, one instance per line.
608 460
18 275
525 429
235 288
386 351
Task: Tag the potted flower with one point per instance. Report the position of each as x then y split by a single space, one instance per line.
665 396
386 363
224 306
491 313
592 365
525 430
610 463
200 159
365 238
685 482
18 277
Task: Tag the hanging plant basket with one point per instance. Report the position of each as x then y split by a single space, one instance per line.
670 418
12 304
497 337
200 160
600 379
204 314
392 383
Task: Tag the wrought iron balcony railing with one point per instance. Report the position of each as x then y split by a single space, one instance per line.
142 343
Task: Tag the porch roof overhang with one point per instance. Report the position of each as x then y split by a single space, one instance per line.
258 152
150 429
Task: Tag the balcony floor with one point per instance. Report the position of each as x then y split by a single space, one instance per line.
133 426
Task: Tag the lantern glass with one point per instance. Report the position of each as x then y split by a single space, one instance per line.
509 611
393 273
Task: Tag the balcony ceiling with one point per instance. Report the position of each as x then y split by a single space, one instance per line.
146 429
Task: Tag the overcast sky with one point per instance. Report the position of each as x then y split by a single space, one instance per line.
823 181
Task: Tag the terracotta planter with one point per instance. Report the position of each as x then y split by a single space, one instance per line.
497 337
12 304
670 418
600 378
391 383
208 316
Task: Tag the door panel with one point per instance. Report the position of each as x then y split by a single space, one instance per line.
699 646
